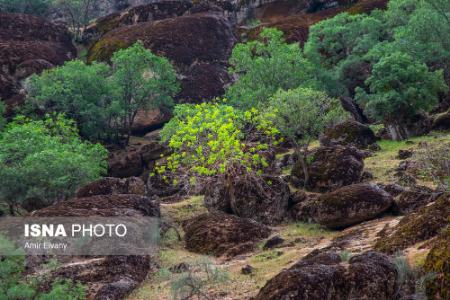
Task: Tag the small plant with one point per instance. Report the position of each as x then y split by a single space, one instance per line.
345 255
193 283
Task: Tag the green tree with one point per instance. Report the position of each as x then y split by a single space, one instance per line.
145 82
83 92
263 66
32 7
207 138
78 12
301 115
44 161
399 88
337 46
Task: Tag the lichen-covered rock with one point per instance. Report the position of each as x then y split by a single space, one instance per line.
414 198
113 186
332 167
349 133
438 263
264 199
137 158
422 225
105 277
198 45
441 121
322 275
29 45
222 234
351 205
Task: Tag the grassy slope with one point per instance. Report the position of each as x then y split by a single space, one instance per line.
302 238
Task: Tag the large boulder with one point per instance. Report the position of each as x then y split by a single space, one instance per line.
322 275
349 133
414 198
441 121
113 186
105 277
136 159
222 234
417 227
29 45
332 167
350 205
200 62
264 199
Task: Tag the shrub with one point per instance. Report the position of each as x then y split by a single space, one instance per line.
44 161
264 66
207 138
301 115
399 88
15 285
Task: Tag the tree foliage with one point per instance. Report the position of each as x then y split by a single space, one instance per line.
104 100
78 12
44 161
302 114
399 87
207 138
32 7
263 66
144 82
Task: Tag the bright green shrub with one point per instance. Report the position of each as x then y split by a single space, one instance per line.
264 66
45 161
206 138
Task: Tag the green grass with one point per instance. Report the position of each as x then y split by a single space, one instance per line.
300 229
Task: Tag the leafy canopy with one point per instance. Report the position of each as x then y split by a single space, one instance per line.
263 66
33 7
302 114
46 160
399 87
207 138
104 100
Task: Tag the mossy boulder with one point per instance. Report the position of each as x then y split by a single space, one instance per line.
417 227
222 234
350 205
438 263
441 121
332 167
198 45
322 275
349 133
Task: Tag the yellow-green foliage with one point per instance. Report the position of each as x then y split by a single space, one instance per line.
208 137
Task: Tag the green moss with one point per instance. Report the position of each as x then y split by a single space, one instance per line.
105 48
438 262
418 227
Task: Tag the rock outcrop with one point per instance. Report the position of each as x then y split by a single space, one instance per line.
105 277
113 186
351 205
441 121
322 275
332 167
29 45
417 227
198 45
349 133
263 199
222 234
414 198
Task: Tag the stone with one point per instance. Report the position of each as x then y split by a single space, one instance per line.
441 121
351 205
404 154
349 133
414 198
247 270
222 234
113 186
273 242
416 227
332 167
322 275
